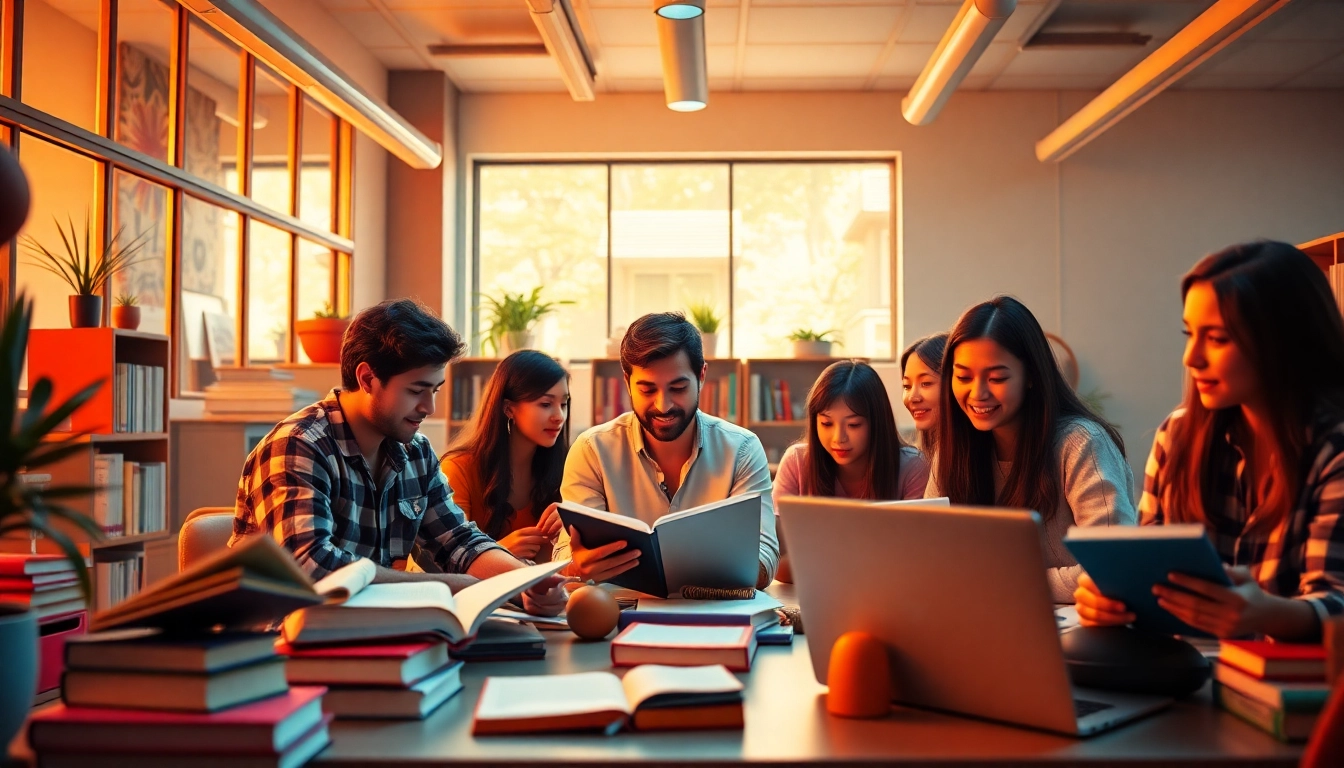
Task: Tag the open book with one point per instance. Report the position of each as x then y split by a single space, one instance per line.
712 545
254 583
358 609
650 697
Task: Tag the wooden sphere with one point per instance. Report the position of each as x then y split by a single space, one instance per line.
859 677
592 612
13 195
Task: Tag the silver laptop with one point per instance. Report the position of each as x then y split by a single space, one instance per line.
959 596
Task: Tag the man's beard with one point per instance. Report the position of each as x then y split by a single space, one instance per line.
392 426
666 433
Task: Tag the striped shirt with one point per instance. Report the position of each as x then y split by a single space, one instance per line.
308 484
1304 557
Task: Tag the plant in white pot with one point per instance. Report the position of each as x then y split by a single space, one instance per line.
27 447
810 343
511 319
706 319
84 271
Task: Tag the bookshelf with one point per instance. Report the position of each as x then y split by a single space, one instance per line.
720 396
1328 253
127 445
463 390
775 399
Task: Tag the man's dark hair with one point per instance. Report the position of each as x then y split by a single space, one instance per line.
395 337
660 335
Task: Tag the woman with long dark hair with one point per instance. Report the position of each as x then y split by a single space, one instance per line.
921 381
506 468
1014 434
1256 451
852 449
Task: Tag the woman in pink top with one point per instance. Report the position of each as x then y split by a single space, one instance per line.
852 449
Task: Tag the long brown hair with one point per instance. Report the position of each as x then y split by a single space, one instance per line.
966 462
930 351
861 389
522 377
1277 307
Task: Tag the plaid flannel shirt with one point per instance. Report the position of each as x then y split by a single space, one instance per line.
1303 558
307 483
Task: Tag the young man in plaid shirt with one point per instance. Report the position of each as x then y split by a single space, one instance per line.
351 476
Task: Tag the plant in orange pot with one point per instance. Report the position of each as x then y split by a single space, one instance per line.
85 267
126 312
321 335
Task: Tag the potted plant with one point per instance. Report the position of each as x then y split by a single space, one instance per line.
26 447
810 343
512 317
86 273
706 319
126 312
322 334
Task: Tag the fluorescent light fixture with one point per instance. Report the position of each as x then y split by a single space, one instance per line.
563 38
258 31
685 75
1223 22
679 9
971 31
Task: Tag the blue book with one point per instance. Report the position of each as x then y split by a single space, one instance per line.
1125 562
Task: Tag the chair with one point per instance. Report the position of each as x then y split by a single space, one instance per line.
205 530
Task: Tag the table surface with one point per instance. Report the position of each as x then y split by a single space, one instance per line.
787 723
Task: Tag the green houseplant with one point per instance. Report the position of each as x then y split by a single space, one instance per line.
322 334
126 312
810 343
510 319
84 271
26 449
706 319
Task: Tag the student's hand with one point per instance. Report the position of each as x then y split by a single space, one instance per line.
547 597
550 522
524 542
1242 609
599 563
1096 610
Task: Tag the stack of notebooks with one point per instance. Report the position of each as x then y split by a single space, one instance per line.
139 697
1278 687
761 613
255 391
47 584
404 679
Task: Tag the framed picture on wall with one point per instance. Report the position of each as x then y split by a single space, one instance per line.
220 340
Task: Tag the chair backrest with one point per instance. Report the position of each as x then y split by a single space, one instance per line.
205 530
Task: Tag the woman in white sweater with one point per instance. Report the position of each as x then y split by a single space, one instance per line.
1019 437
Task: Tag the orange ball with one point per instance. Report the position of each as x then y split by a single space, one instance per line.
859 677
592 612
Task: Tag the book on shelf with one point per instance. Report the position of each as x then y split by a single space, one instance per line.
1288 696
1275 661
651 697
138 397
683 645
108 504
1276 721
272 725
759 611
305 748
177 691
610 398
360 610
228 374
145 493
116 581
147 649
1127 561
412 702
384 664
712 545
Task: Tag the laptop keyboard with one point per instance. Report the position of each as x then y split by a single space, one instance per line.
1082 708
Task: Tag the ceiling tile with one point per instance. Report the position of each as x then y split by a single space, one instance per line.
804 84
637 26
637 86
1263 57
1159 19
1239 82
595 4
1303 20
976 83
907 59
899 83
501 68
634 62
371 29
1022 19
826 24
790 61
400 58
452 4
480 25
1069 82
994 60
346 5
554 85
1317 78
1108 61
927 23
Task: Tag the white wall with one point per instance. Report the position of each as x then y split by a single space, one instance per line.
1094 245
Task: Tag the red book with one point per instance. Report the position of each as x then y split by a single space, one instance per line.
268 726
680 645
392 664
38 582
1274 661
41 597
24 565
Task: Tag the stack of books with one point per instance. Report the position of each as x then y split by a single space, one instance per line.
405 679
255 392
760 612
1277 687
610 398
140 697
47 584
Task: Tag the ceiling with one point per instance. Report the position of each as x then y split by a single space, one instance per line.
851 45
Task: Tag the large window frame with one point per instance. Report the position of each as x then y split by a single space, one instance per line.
17 117
469 319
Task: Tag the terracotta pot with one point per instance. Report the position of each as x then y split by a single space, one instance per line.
86 311
126 317
321 338
18 684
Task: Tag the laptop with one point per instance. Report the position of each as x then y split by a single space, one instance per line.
960 597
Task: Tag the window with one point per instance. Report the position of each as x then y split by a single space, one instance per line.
771 246
213 73
60 60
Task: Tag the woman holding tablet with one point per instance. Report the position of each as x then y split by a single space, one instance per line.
1256 452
